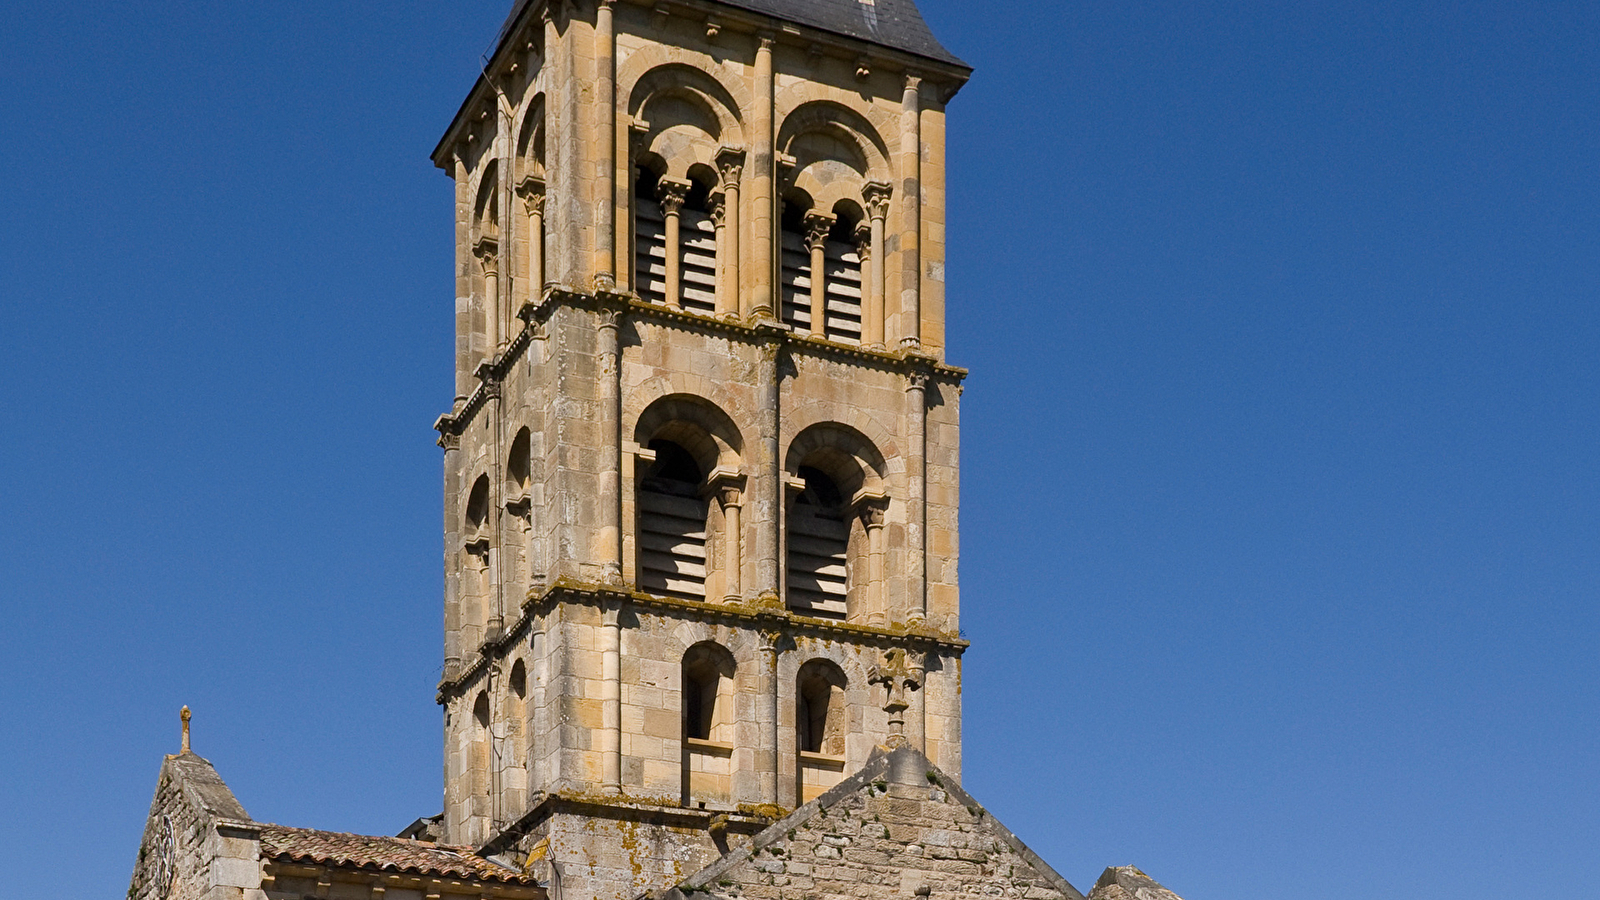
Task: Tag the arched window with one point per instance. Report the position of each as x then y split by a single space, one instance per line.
819 548
681 273
649 237
482 755
819 727
478 505
519 466
517 731
672 524
795 263
842 282
708 723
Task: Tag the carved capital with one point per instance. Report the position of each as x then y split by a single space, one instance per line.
717 206
818 225
727 485
870 507
487 250
876 194
917 380
531 190
863 236
671 195
730 165
913 82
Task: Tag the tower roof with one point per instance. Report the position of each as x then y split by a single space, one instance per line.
896 24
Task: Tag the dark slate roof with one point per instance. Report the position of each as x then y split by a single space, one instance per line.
382 853
892 23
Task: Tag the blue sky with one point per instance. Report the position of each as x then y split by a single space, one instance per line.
1280 452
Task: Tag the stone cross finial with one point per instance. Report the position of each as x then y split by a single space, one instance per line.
897 678
184 715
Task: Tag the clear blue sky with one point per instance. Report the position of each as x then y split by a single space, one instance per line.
1280 508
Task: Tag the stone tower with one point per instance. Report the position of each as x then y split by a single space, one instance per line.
700 476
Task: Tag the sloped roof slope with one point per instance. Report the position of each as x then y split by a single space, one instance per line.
898 827
383 853
897 24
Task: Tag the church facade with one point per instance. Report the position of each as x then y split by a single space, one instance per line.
701 484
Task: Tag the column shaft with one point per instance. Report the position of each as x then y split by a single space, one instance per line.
674 287
763 278
730 520
609 543
911 213
769 488
605 187
916 498
611 698
732 293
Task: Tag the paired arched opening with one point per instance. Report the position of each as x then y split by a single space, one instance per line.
709 720
822 253
675 237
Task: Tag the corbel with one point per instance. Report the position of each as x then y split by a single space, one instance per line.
713 28
863 67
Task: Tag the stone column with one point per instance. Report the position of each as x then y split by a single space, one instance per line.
872 306
730 165
611 697
769 484
488 252
464 265
609 540
729 490
871 510
606 166
911 211
532 192
453 561
763 278
916 496
817 227
671 194
719 219
538 728
917 715
767 757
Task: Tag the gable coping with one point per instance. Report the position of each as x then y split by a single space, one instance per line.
881 766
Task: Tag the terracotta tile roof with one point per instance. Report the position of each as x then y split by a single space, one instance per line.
384 853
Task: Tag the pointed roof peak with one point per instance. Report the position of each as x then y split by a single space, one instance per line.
900 775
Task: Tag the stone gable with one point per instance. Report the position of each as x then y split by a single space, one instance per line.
898 828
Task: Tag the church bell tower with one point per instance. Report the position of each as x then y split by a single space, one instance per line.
701 468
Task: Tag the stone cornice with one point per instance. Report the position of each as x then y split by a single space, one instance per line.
950 76
907 361
755 615
670 810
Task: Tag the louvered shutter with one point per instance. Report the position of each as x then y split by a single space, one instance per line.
843 267
698 234
650 251
819 541
672 540
796 281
